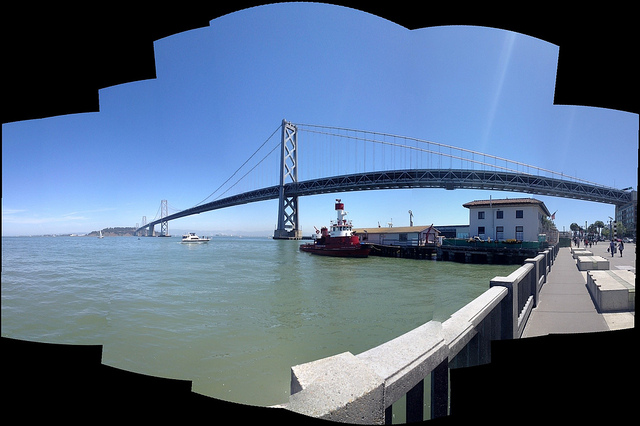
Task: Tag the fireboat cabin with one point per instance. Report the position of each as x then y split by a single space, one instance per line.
503 219
399 235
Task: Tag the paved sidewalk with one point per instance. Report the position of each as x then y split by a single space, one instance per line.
565 305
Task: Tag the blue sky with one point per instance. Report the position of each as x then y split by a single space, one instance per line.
222 90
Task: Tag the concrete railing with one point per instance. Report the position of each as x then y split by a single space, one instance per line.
363 388
524 289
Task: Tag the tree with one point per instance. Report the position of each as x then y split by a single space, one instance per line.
574 227
547 224
599 224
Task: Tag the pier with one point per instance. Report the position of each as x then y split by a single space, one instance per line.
424 251
487 361
488 251
462 251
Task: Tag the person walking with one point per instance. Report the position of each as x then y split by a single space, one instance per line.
621 247
612 247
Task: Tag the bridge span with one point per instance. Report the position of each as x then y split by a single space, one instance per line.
423 178
507 177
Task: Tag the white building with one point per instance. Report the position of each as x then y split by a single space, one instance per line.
505 219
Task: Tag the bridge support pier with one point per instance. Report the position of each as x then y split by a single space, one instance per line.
164 225
288 215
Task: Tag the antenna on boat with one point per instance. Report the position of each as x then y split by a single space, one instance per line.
410 218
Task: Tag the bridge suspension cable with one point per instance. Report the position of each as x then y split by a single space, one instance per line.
248 171
157 216
243 164
381 139
173 209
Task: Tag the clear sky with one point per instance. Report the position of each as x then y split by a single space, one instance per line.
222 90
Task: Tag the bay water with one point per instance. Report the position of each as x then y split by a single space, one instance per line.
232 315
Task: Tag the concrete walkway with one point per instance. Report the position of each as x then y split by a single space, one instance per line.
565 305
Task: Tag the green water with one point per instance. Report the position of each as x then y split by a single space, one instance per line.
232 315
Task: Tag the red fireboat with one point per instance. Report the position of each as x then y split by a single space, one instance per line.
340 241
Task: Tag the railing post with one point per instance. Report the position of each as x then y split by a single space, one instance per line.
415 403
535 288
439 390
508 308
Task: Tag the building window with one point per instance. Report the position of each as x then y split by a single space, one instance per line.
519 214
499 232
499 214
480 215
519 233
480 230
403 237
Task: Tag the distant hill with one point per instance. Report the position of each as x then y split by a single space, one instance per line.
120 231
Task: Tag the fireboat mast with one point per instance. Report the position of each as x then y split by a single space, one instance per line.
342 228
340 211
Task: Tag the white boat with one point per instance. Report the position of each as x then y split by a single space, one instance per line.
191 237
101 235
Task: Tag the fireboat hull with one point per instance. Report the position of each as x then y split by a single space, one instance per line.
354 251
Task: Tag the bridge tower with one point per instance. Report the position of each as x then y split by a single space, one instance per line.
144 222
288 214
164 225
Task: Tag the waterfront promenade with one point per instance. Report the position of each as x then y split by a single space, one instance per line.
565 305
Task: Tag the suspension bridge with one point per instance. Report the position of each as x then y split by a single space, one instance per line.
358 160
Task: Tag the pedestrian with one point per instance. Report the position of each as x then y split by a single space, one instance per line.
621 247
612 247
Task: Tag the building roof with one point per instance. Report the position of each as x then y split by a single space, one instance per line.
508 202
393 230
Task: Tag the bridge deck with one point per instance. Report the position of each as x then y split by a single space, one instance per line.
565 305
417 178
